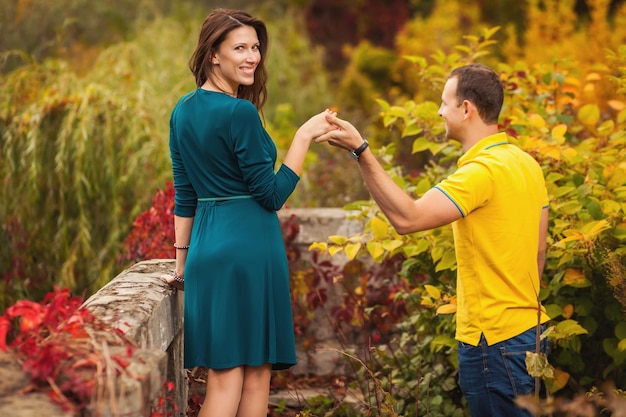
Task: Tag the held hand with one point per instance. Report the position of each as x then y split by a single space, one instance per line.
317 125
344 135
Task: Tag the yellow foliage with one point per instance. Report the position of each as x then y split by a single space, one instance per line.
575 278
446 309
352 249
379 228
559 381
433 291
375 249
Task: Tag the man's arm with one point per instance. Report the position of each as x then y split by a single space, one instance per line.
406 215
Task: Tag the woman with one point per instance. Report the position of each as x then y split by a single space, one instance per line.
229 247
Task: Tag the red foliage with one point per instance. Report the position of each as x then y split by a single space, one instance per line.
370 303
166 404
53 344
153 233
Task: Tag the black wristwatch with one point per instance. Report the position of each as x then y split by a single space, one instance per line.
358 151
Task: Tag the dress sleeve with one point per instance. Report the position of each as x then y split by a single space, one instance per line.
256 156
186 199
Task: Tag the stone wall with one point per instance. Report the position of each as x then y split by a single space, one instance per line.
150 313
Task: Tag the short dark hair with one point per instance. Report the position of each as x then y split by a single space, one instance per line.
216 26
482 86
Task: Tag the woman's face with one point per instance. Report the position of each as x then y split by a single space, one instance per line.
236 60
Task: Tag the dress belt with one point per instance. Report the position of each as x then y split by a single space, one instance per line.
232 197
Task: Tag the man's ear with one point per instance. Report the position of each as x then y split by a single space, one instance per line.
468 108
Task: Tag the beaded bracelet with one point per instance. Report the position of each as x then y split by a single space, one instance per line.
181 247
177 278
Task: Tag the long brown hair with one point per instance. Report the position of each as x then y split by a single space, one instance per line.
216 26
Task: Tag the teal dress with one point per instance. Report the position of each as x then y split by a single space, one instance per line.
237 300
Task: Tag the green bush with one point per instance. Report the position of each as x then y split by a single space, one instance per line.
572 119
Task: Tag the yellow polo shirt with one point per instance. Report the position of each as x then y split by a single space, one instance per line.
500 191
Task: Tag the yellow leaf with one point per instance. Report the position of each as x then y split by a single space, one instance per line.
379 228
352 249
537 121
433 291
599 227
333 250
446 309
559 131
375 249
551 151
558 382
338 240
391 245
589 114
427 302
572 238
321 246
574 277
593 76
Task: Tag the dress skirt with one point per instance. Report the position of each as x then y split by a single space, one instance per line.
237 299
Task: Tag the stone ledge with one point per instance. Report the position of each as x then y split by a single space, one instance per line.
150 313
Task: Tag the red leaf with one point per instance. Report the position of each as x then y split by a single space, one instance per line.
5 326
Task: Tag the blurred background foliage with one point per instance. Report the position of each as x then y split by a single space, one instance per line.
86 89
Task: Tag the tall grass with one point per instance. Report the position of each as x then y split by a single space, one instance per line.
82 153
81 156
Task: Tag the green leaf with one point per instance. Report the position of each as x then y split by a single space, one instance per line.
589 114
442 341
448 261
538 366
553 310
620 330
413 250
383 104
420 144
391 245
606 128
566 329
411 129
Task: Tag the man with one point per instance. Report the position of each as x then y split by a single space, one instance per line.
498 206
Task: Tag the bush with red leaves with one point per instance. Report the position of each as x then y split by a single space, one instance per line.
55 343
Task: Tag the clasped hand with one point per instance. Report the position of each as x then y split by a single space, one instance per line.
342 135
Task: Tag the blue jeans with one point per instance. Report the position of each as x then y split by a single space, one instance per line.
492 376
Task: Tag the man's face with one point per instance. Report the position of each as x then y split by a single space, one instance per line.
451 111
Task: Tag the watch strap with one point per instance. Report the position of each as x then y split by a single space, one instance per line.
358 151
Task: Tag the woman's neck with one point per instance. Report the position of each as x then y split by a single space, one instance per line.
210 86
